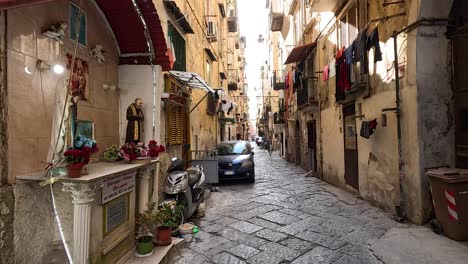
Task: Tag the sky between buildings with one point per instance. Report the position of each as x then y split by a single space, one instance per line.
253 21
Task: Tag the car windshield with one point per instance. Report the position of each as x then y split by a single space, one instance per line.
233 148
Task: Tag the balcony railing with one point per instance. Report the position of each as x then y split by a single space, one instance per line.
307 94
232 24
276 21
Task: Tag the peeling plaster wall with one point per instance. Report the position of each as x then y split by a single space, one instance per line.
7 198
332 144
436 128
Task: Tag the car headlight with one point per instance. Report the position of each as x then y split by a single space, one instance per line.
247 164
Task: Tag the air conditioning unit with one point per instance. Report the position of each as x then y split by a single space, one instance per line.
211 31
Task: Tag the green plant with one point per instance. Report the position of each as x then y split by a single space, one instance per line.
169 215
147 219
112 153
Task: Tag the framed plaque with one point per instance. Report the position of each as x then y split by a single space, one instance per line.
116 213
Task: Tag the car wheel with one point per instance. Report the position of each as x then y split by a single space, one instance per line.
252 178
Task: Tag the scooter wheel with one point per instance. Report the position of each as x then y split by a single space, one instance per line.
436 226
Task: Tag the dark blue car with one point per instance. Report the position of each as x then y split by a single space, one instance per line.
235 161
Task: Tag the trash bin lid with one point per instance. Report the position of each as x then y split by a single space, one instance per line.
449 175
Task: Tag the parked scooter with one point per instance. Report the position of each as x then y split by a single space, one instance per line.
186 188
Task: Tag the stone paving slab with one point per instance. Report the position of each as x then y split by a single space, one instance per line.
297 244
245 227
279 218
226 258
285 218
271 235
243 251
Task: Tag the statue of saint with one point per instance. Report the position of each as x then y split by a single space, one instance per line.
135 119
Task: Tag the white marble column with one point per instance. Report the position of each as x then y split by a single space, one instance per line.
155 183
144 175
83 196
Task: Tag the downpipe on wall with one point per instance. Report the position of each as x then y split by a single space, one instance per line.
401 207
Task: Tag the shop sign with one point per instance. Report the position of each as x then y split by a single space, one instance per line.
117 186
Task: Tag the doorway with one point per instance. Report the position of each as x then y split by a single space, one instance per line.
298 143
459 41
350 146
312 145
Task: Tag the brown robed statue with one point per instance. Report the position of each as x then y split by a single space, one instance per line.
135 119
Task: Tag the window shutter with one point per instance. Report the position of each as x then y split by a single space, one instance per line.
174 116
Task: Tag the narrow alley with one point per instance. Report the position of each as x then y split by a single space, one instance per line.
286 217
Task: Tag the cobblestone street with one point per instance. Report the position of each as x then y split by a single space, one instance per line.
284 217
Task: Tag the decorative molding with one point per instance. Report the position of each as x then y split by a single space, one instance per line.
81 193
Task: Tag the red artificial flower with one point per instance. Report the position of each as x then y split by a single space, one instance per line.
161 148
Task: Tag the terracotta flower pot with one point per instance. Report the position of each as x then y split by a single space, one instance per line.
74 170
163 236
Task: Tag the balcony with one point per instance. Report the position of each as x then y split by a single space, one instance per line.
232 24
307 99
276 21
232 86
279 80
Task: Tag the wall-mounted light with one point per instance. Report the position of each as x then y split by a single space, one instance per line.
28 69
44 66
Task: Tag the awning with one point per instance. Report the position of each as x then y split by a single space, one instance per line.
8 4
172 7
130 34
191 79
127 28
300 53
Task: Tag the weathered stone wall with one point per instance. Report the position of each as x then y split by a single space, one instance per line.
7 203
7 199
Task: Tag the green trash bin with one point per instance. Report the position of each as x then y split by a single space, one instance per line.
449 188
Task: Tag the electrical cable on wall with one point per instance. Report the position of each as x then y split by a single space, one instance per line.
149 43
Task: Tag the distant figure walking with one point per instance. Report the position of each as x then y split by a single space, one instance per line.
268 146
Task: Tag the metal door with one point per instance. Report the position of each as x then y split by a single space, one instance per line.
350 146
312 145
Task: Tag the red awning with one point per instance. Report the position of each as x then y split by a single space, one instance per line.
300 53
129 31
8 4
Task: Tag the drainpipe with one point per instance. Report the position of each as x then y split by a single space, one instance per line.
401 207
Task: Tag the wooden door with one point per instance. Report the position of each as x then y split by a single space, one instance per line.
350 146
312 144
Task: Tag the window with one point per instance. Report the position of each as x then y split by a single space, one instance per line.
208 72
77 22
348 27
175 115
211 103
179 48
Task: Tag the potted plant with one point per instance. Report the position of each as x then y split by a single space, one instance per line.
79 155
139 153
112 153
146 221
167 217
